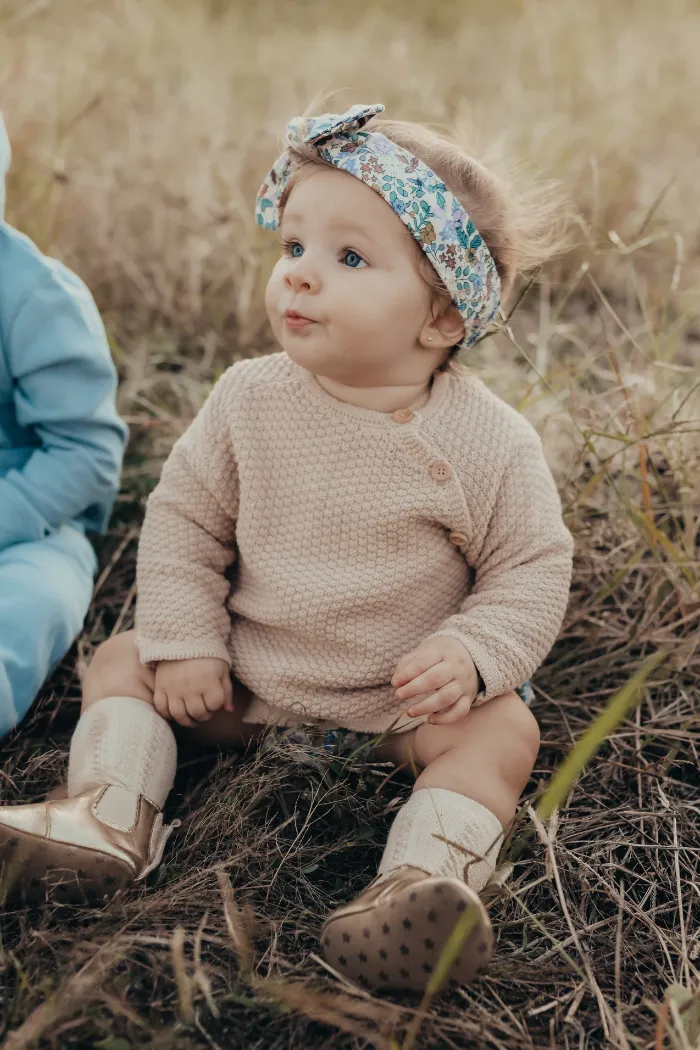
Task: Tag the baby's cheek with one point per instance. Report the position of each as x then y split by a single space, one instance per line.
272 294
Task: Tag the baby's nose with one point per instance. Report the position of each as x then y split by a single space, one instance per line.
302 279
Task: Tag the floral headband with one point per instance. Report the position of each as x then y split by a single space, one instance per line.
422 201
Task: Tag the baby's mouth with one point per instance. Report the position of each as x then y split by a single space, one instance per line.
296 321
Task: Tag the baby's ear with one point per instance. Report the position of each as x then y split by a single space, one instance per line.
451 325
445 329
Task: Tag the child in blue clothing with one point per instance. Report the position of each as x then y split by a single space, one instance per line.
61 448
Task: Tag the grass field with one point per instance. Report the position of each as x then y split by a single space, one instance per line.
140 132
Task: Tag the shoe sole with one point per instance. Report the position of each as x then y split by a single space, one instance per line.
33 868
397 943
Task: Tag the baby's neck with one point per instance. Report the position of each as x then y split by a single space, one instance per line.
380 398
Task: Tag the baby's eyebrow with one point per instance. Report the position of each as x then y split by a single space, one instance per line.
292 216
351 229
340 225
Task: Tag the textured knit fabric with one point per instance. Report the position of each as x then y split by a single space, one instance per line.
123 741
444 833
312 543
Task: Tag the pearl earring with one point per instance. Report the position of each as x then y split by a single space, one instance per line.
430 338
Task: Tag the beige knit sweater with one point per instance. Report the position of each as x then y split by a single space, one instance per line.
312 543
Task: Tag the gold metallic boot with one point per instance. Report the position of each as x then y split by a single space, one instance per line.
92 843
392 935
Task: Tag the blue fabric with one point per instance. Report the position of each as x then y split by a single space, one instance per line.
526 692
61 441
61 449
45 590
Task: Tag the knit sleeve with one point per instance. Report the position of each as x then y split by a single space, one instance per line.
188 542
511 619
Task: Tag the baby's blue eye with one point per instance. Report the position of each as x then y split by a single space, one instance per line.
295 250
353 260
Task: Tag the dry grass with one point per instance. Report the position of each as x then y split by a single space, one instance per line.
140 133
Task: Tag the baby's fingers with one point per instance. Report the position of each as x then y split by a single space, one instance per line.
457 711
436 677
214 698
197 708
220 696
415 663
441 698
160 702
228 694
178 711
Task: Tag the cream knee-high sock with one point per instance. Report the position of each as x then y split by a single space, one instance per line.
123 741
473 833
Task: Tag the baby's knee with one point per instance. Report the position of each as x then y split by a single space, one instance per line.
518 741
505 735
116 670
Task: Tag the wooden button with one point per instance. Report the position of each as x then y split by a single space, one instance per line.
441 470
459 539
402 415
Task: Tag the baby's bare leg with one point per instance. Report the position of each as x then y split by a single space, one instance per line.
106 827
470 776
442 848
116 670
487 756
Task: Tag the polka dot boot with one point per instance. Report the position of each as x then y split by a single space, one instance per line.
392 935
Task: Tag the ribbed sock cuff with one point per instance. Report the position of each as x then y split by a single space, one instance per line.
444 833
122 740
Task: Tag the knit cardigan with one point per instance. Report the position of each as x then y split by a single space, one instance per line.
312 543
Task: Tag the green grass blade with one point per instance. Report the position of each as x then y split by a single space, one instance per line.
454 944
607 721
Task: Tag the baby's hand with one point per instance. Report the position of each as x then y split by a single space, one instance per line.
443 667
191 691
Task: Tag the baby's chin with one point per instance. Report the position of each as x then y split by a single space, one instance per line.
306 348
316 350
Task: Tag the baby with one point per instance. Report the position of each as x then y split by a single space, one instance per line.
353 533
61 447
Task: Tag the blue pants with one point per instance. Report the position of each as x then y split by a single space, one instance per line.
45 590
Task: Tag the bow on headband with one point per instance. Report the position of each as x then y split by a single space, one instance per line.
422 201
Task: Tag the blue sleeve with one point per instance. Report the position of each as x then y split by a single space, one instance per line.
64 385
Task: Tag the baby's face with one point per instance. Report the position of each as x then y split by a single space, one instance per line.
346 300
